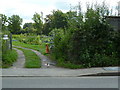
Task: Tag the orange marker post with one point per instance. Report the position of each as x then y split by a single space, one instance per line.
47 48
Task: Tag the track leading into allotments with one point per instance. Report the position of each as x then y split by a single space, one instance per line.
45 61
18 70
20 61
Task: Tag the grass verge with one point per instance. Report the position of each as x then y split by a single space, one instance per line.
31 59
40 48
62 63
9 58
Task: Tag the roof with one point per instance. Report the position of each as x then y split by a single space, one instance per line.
112 16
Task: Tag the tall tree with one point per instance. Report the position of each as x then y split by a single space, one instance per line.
48 24
29 25
4 21
57 20
14 23
38 24
28 28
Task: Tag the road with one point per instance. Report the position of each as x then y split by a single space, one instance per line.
60 82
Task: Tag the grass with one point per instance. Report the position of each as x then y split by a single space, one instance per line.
69 65
40 48
31 59
0 58
62 63
9 58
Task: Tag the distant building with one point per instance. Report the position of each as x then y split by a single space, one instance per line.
114 21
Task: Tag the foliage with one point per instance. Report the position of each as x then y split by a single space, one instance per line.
14 23
8 58
28 39
38 24
5 43
4 21
36 42
70 65
28 28
57 20
40 48
79 39
89 41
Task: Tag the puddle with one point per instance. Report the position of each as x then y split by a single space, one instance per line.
112 68
44 60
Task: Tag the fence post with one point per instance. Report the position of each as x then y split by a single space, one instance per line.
11 41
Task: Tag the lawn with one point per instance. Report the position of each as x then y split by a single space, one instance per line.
40 48
31 59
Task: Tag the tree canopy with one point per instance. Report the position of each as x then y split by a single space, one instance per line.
14 24
38 23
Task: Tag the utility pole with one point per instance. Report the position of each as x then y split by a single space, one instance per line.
11 41
42 21
119 8
79 8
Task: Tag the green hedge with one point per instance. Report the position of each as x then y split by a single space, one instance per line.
91 43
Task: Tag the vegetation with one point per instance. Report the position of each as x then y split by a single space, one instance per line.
37 18
57 20
28 39
31 59
40 48
89 41
78 39
28 28
14 23
9 58
35 42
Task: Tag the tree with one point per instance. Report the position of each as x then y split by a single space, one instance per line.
29 25
56 20
89 42
47 27
4 21
38 24
14 23
59 19
74 21
28 28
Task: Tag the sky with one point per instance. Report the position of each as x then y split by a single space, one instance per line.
26 8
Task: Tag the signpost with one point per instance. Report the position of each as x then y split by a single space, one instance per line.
6 42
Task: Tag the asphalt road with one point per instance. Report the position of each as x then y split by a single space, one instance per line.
60 82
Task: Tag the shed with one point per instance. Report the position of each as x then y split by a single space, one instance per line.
114 21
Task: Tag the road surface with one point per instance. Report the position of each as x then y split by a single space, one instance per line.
60 82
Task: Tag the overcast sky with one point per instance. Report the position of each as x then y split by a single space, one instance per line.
26 8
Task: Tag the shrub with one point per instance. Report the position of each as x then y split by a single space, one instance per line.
9 57
92 43
28 39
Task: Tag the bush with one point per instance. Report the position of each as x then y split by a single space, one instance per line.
68 64
9 57
92 43
28 39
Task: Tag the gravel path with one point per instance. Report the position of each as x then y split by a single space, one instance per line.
44 60
20 61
